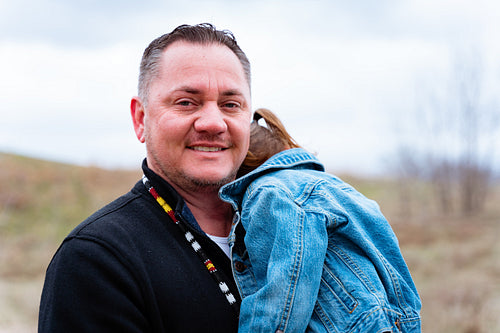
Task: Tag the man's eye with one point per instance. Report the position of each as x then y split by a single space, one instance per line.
185 103
231 105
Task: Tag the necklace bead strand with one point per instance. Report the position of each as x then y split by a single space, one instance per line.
194 244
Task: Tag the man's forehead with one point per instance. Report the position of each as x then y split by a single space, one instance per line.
182 46
196 90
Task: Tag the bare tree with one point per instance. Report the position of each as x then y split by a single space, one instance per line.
456 128
474 165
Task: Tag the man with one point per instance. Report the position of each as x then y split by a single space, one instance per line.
149 261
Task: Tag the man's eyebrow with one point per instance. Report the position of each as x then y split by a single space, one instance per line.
232 92
195 91
188 89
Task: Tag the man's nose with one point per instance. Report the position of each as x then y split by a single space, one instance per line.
211 119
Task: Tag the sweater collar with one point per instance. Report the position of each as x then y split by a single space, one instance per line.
170 195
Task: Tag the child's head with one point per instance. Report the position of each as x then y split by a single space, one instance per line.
265 141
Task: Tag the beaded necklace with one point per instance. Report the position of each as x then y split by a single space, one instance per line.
194 244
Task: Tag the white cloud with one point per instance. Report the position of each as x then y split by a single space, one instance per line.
340 74
66 104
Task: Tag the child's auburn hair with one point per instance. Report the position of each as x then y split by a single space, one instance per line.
265 141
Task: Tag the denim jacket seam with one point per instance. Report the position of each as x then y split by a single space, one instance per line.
353 266
341 285
295 273
327 322
369 314
396 286
297 264
307 192
301 200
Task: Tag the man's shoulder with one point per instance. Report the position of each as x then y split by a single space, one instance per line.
118 214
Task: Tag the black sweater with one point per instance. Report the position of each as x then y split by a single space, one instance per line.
128 268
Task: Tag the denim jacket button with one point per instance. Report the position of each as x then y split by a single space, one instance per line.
239 266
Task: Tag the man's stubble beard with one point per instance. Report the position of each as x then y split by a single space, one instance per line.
192 184
186 182
181 179
207 186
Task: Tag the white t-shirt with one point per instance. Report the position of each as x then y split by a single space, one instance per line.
222 242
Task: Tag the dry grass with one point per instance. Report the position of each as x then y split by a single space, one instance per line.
40 202
454 260
455 266
455 263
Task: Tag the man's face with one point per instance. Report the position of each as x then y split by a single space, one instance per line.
197 120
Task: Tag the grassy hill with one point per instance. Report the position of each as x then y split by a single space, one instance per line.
40 202
453 259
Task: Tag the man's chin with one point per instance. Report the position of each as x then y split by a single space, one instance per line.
209 184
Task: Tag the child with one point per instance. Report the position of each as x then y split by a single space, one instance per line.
309 252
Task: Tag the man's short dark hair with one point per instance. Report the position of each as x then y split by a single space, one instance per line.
204 33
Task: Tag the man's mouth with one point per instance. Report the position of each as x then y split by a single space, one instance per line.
207 149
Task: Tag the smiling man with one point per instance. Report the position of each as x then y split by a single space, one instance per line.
195 122
156 259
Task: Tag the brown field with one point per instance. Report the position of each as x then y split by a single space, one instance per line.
455 260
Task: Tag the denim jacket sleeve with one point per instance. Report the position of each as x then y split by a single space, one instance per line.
286 246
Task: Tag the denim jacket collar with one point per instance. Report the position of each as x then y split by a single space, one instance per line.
296 158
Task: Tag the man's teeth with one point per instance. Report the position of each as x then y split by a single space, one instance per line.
207 148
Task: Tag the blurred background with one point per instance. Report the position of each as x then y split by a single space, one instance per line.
401 98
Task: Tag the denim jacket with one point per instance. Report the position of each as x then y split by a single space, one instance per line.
311 254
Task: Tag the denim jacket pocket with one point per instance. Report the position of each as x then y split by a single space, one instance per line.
333 291
347 301
335 304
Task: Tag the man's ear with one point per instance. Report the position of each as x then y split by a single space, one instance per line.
137 112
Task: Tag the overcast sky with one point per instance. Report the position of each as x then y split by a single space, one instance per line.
346 77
